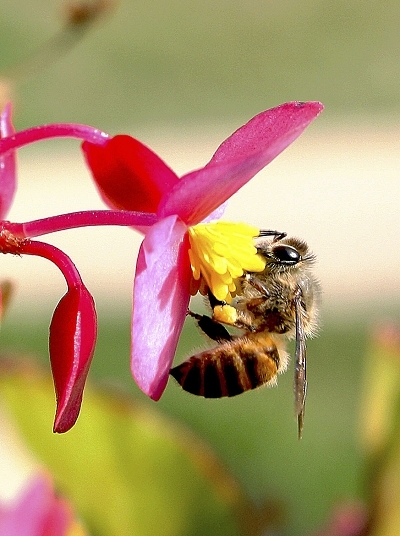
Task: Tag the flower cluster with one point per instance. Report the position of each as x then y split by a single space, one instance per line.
184 249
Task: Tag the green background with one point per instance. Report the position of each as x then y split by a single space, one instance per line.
175 61
255 435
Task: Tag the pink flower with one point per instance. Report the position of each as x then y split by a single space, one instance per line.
73 329
347 519
178 253
37 512
130 177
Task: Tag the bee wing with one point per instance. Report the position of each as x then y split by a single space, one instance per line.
300 374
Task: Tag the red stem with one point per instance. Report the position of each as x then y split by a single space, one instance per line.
56 256
74 220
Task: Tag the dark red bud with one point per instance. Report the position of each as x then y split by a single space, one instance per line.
73 333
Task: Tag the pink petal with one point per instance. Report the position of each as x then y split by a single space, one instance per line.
73 332
128 174
38 512
217 213
161 298
8 180
237 160
267 127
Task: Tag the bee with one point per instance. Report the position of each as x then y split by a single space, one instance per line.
279 303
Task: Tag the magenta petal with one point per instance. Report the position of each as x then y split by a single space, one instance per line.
237 160
160 298
267 127
8 181
73 332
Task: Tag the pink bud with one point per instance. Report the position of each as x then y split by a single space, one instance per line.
73 333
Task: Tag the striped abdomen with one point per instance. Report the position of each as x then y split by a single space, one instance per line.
231 367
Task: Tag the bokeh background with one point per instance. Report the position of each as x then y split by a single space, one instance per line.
181 76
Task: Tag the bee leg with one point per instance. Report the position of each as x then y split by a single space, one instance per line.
232 316
214 301
211 328
258 285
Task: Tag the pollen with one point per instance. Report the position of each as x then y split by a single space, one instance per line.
225 314
220 252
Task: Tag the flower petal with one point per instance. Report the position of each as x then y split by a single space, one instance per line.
237 160
73 332
267 127
8 179
161 298
128 174
217 213
38 512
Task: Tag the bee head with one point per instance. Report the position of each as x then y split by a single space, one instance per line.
284 253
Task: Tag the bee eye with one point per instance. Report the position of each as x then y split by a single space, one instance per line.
286 254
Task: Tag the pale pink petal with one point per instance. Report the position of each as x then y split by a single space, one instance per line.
161 298
38 512
217 213
8 181
237 160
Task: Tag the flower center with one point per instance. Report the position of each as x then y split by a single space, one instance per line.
220 252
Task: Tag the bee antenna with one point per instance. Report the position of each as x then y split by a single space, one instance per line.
276 234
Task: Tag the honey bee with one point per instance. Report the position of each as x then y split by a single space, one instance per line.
277 304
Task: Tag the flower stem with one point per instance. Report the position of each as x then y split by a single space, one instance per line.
56 130
56 256
74 220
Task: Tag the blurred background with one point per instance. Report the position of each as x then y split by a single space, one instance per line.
181 77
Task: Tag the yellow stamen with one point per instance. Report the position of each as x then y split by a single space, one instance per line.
222 251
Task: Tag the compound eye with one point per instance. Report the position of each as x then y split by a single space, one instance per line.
286 254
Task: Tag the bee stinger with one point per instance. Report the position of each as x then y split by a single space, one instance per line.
279 303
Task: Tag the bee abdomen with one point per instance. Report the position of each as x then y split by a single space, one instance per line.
229 369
